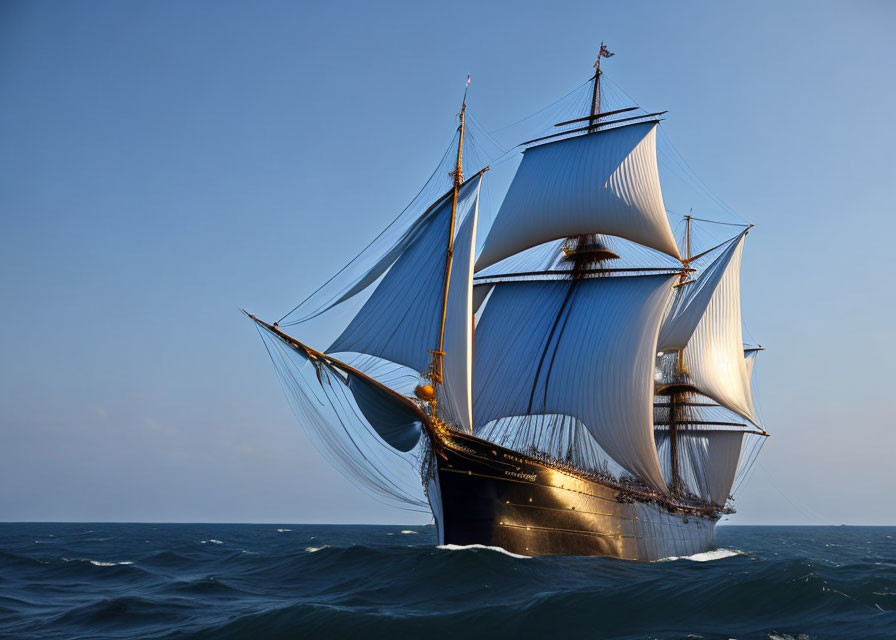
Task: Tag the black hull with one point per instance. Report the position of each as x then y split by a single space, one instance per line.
484 494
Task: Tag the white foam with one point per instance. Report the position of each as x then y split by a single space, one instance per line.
408 532
464 547
99 563
212 540
313 549
283 530
706 556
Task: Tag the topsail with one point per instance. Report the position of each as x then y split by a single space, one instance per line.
714 356
604 182
691 300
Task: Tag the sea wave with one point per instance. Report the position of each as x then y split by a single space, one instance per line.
328 581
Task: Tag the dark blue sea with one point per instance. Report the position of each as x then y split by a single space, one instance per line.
322 581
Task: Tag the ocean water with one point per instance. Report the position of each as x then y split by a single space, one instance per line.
323 581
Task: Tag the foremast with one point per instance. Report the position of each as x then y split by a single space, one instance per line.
435 372
590 250
703 367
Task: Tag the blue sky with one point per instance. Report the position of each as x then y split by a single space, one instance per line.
165 163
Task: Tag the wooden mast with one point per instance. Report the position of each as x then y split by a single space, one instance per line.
673 441
595 92
435 369
589 249
676 406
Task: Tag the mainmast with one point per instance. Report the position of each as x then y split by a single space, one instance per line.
595 95
590 250
435 369
587 252
677 393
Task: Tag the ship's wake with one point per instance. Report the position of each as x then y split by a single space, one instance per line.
480 547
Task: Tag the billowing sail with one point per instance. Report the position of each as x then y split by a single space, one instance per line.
690 301
583 348
400 321
708 460
396 423
714 356
457 364
721 454
604 182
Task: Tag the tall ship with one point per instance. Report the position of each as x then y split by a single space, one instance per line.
570 379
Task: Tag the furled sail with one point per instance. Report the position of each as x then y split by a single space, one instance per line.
455 398
605 182
690 301
714 356
583 348
400 321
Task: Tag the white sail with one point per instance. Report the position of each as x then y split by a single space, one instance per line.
400 321
708 459
750 361
581 348
717 454
457 363
689 302
604 182
714 356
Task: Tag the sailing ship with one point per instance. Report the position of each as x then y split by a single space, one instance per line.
571 407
